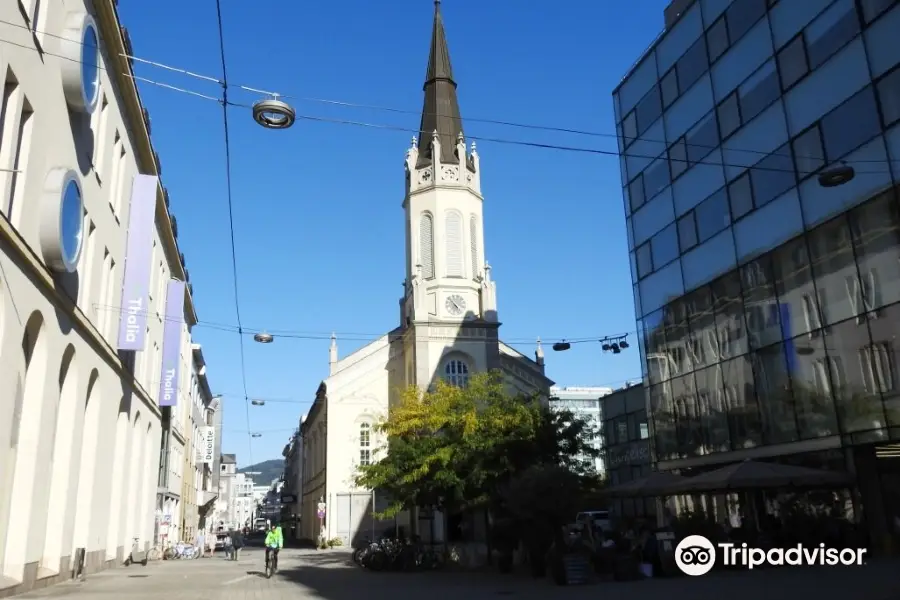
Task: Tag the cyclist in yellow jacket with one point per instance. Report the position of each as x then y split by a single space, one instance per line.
274 543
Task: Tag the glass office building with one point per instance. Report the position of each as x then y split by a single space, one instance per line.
768 303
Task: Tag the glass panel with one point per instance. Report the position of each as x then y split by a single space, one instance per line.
687 420
794 286
703 345
742 15
702 139
740 196
669 88
743 409
690 108
772 176
851 125
652 217
860 371
692 65
881 43
665 246
662 412
717 40
638 82
728 306
662 287
644 260
792 62
762 308
889 95
729 115
759 91
648 110
636 192
655 345
713 410
709 260
697 184
810 380
656 177
875 227
678 158
884 371
675 319
830 31
712 215
773 389
872 8
809 152
765 228
687 232
834 270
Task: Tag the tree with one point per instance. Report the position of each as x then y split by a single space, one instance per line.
458 448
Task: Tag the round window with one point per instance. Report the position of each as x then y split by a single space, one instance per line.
71 224
90 64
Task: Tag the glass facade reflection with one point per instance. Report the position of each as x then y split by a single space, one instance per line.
626 447
767 305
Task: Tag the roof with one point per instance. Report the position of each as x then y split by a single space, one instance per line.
229 459
440 110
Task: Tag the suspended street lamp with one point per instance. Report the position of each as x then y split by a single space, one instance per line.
258 402
263 338
561 346
836 176
274 114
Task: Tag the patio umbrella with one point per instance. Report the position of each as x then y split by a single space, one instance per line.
657 483
752 475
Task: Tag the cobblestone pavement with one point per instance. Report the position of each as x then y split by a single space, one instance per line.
330 576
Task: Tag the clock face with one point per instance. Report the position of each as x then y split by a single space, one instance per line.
455 304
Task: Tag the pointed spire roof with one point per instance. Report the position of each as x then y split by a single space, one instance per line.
440 111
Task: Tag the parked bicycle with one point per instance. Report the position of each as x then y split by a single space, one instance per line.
183 551
390 554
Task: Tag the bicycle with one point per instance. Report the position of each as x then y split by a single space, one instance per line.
156 552
271 561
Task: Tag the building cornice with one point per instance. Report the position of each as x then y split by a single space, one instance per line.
30 263
120 71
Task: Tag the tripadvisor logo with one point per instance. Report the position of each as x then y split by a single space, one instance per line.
695 555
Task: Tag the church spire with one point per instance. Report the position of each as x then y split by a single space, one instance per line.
440 112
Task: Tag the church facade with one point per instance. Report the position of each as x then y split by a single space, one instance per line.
449 326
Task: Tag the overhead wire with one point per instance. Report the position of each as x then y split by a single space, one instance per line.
230 195
525 143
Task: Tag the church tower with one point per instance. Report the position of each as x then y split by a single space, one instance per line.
448 284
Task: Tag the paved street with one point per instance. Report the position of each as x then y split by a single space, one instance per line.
328 575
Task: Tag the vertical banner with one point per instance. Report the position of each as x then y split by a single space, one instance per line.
136 280
171 349
206 451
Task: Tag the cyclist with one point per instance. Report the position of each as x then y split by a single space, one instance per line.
274 543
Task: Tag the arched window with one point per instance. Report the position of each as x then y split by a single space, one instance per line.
456 372
365 444
426 245
454 226
473 244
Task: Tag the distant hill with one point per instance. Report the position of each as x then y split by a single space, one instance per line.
268 470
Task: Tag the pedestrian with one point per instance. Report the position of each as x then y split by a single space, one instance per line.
211 541
237 542
228 547
200 543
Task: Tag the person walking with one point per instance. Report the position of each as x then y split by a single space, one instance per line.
237 542
200 543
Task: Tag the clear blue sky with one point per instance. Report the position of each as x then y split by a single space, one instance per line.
319 223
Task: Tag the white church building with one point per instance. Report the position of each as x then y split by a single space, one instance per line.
448 329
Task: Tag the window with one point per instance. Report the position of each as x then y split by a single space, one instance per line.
702 139
712 215
426 245
454 258
678 158
636 192
877 365
808 152
365 441
656 177
629 128
648 110
772 176
759 91
740 196
621 431
792 62
729 113
742 15
644 260
473 244
717 39
873 8
665 246
687 232
850 125
831 31
669 87
456 373
692 65
889 96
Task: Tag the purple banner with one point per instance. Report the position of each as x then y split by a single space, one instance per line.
136 280
171 343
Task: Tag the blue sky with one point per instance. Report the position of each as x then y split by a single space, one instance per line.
319 223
